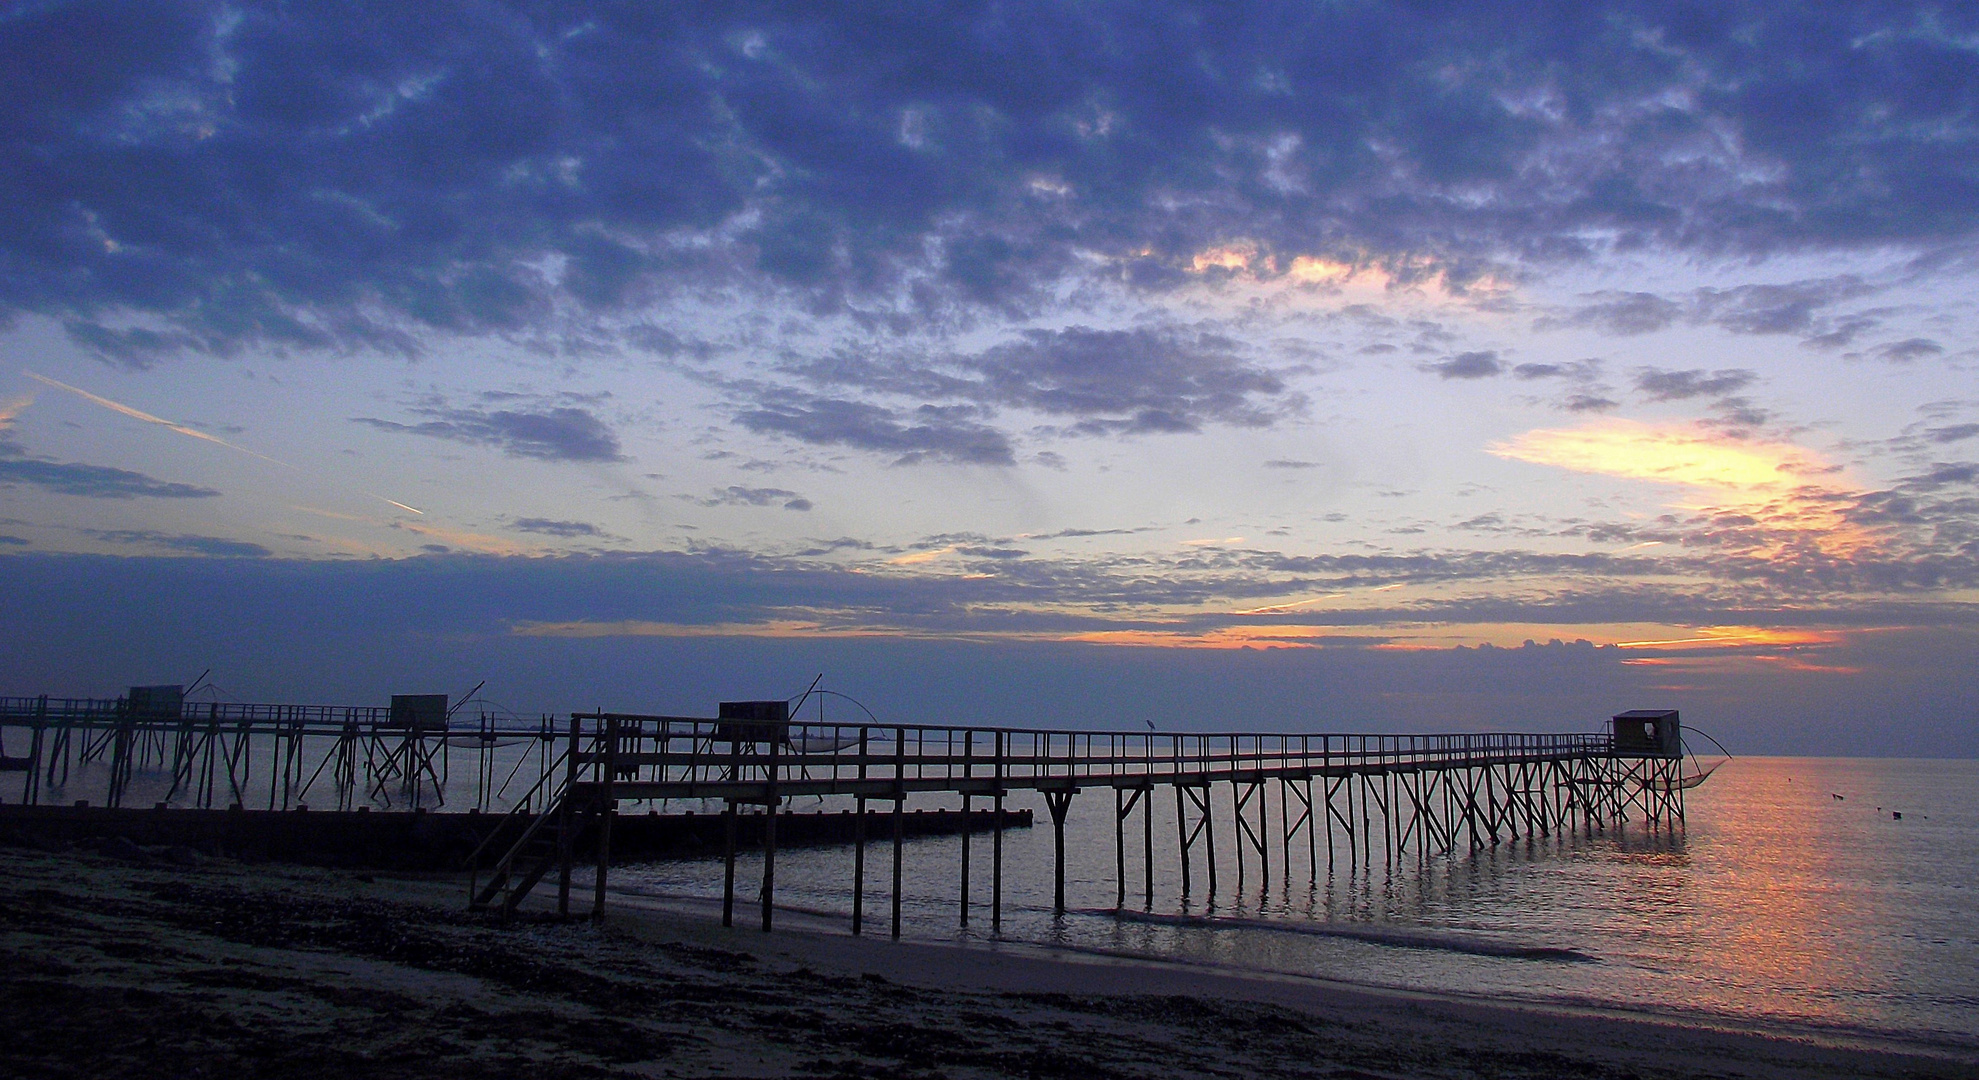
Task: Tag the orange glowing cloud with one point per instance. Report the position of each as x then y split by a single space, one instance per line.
1312 271
1740 635
1233 257
1671 453
1756 496
1223 637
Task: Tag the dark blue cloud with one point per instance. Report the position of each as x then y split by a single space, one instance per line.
211 546
1910 349
555 434
950 433
1798 307
1148 380
736 495
200 175
551 527
1660 385
1469 365
89 481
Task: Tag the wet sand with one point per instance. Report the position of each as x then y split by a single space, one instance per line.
128 965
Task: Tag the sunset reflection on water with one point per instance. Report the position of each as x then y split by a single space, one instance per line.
1779 903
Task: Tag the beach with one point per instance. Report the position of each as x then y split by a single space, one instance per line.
129 962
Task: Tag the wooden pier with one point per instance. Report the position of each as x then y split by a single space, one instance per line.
548 790
1404 796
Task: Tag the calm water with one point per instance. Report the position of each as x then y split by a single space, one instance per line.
1780 902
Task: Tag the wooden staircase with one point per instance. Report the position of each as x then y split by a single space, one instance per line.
532 845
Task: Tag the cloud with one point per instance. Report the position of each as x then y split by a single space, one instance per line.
1469 365
206 176
1140 381
1671 453
748 496
1910 349
1774 309
928 433
211 546
551 527
1288 463
1798 307
1588 403
89 481
556 434
1661 385
1622 313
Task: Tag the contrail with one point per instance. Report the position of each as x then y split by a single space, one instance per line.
140 414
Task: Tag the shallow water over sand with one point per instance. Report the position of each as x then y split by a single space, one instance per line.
1779 902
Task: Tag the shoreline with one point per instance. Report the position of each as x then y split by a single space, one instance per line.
123 964
1062 963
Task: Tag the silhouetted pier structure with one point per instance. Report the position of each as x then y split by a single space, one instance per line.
1406 796
549 789
221 754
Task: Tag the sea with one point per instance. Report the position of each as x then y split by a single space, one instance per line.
1826 896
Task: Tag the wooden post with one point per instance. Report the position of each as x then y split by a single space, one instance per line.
1147 840
1312 816
968 771
565 841
996 853
1209 833
1238 825
859 841
769 833
1058 802
1327 788
607 810
1288 789
1182 834
899 807
1119 849
1262 790
728 864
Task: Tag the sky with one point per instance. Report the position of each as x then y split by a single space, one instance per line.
1240 366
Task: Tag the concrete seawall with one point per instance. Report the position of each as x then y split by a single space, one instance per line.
419 840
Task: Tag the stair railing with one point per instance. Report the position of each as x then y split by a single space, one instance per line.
522 806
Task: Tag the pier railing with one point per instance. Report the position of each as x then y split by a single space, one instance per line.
691 757
214 749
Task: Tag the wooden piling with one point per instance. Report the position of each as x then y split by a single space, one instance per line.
899 808
1058 802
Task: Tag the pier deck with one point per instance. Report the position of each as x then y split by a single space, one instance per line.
546 784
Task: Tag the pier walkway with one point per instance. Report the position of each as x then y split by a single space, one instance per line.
550 786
